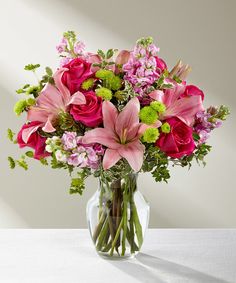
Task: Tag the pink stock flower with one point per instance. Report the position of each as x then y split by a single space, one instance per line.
61 47
51 102
184 108
179 141
120 135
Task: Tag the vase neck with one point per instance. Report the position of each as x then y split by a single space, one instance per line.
129 180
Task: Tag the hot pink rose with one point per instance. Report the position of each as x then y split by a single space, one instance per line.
179 141
35 141
161 65
192 90
90 114
78 71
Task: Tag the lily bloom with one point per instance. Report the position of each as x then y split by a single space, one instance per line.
183 107
120 135
51 101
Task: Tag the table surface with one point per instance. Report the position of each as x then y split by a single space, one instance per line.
68 256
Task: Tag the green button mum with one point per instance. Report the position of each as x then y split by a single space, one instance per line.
104 93
148 115
151 135
158 106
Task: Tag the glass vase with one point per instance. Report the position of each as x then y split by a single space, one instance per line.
118 217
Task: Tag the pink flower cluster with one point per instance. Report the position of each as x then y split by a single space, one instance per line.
204 125
79 154
143 67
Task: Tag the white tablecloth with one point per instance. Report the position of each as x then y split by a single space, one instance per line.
68 256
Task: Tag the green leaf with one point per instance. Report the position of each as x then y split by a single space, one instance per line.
49 71
29 154
31 67
12 163
101 54
22 163
109 53
10 135
43 161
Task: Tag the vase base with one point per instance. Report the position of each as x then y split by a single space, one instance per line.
116 257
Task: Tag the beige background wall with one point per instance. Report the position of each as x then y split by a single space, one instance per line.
201 32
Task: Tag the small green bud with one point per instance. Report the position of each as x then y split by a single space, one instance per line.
11 161
104 74
148 115
158 106
145 41
104 93
116 83
20 106
165 128
87 84
151 135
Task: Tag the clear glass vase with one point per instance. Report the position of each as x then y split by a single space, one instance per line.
118 217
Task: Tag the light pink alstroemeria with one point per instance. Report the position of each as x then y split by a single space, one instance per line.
51 101
120 135
185 108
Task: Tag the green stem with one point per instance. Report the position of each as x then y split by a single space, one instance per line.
99 227
125 199
116 237
102 235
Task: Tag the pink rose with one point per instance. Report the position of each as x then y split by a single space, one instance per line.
89 114
78 71
192 90
35 141
161 65
179 141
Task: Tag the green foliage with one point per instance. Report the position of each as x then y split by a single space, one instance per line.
157 163
31 67
145 41
160 83
29 154
77 184
12 163
22 163
105 58
10 135
43 161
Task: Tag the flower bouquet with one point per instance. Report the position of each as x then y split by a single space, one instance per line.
111 115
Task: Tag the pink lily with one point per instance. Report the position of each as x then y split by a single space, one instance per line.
185 108
51 101
120 135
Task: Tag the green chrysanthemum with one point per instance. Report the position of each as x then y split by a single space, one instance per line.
158 106
165 128
104 74
148 115
20 106
104 93
115 83
151 135
87 84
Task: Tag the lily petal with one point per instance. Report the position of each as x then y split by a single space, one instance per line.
157 95
77 98
61 87
110 115
185 109
133 153
172 94
128 118
48 127
110 158
102 136
26 133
